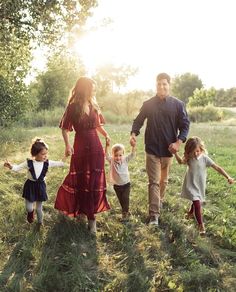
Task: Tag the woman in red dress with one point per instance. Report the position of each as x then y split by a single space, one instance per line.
84 188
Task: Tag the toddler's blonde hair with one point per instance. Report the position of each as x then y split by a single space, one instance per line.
117 147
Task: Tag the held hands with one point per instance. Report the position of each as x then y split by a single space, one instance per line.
108 140
230 180
133 140
64 158
174 147
69 151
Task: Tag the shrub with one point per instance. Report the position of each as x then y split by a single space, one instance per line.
45 118
51 118
13 102
205 114
113 118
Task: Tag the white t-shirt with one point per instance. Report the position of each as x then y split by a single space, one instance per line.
118 172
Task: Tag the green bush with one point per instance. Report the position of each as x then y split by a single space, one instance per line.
13 102
51 118
45 118
113 118
204 113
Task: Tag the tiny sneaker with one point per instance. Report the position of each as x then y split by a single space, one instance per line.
153 221
202 230
125 217
30 216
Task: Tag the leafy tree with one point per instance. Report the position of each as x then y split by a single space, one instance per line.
184 85
42 20
12 104
36 21
202 97
123 103
220 96
225 97
133 101
230 97
51 89
110 78
25 24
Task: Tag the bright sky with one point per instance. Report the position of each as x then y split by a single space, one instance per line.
173 36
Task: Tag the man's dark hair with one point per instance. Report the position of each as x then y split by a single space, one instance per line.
163 76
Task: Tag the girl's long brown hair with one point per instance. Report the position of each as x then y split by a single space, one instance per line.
191 145
81 93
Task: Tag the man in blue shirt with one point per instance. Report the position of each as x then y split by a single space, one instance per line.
167 128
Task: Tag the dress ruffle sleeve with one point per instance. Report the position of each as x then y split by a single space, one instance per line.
66 121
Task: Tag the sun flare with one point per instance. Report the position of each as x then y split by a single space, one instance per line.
95 50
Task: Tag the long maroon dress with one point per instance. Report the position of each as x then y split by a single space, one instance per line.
84 188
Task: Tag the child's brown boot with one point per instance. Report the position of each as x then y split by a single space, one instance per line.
30 216
125 217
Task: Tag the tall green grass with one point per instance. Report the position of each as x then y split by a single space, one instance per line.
64 256
44 118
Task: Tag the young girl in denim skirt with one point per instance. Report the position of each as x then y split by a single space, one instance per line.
34 190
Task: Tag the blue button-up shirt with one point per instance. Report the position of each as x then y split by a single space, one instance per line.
167 121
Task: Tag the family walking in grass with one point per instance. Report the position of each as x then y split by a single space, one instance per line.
83 191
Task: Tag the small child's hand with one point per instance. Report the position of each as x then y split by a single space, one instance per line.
64 159
132 141
230 180
133 149
69 150
108 141
7 164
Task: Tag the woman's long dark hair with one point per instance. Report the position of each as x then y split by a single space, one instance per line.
81 93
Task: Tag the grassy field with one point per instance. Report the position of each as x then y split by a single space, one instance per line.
64 256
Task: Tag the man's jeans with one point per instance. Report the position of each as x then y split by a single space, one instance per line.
158 174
